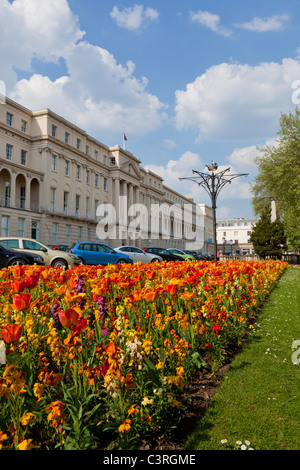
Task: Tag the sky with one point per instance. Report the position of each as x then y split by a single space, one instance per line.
190 82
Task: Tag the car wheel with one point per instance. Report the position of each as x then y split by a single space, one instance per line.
154 260
17 262
122 261
60 263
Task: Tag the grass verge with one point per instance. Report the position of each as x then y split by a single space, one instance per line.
258 400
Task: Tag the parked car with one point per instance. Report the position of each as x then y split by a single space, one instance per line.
197 255
181 253
59 247
51 257
10 257
137 254
98 253
164 254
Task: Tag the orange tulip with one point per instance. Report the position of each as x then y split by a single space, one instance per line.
187 295
22 301
11 333
150 296
68 317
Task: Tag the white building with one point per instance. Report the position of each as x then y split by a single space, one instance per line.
233 235
54 178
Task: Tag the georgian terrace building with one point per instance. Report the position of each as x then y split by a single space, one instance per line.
54 177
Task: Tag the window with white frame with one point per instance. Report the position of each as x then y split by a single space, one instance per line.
104 159
96 155
87 149
78 172
87 206
87 176
68 234
67 168
23 157
24 126
79 234
54 162
96 206
67 138
52 199
54 130
112 161
9 119
21 227
97 181
9 152
78 144
7 194
77 205
54 232
105 184
66 203
5 221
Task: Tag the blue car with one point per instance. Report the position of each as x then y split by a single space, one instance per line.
98 253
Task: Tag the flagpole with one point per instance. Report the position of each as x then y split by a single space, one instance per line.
124 138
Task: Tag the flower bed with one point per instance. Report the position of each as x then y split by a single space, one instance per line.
99 355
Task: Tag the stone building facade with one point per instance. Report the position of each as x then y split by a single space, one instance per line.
59 185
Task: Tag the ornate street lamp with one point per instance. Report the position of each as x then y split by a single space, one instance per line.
213 183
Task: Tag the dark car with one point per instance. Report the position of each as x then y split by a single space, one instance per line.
98 253
164 254
9 257
197 255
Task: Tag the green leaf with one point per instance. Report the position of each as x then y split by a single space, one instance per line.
197 359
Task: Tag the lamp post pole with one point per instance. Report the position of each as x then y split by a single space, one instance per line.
213 182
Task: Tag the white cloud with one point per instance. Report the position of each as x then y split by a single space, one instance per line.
262 25
97 93
34 28
237 102
210 20
134 18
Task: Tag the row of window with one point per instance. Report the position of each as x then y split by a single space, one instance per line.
67 205
5 230
112 160
9 154
10 122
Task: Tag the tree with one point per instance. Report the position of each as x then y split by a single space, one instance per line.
268 238
279 177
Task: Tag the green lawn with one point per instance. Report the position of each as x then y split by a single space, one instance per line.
258 400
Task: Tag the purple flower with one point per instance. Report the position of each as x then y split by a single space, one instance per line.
103 311
56 316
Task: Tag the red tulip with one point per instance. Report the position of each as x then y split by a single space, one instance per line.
172 289
18 286
11 333
68 317
22 301
31 281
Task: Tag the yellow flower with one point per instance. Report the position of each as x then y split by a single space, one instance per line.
27 419
26 445
147 401
2 438
125 426
38 390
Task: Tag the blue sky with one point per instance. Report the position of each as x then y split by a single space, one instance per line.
191 81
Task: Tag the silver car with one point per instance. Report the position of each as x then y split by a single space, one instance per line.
138 255
51 257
